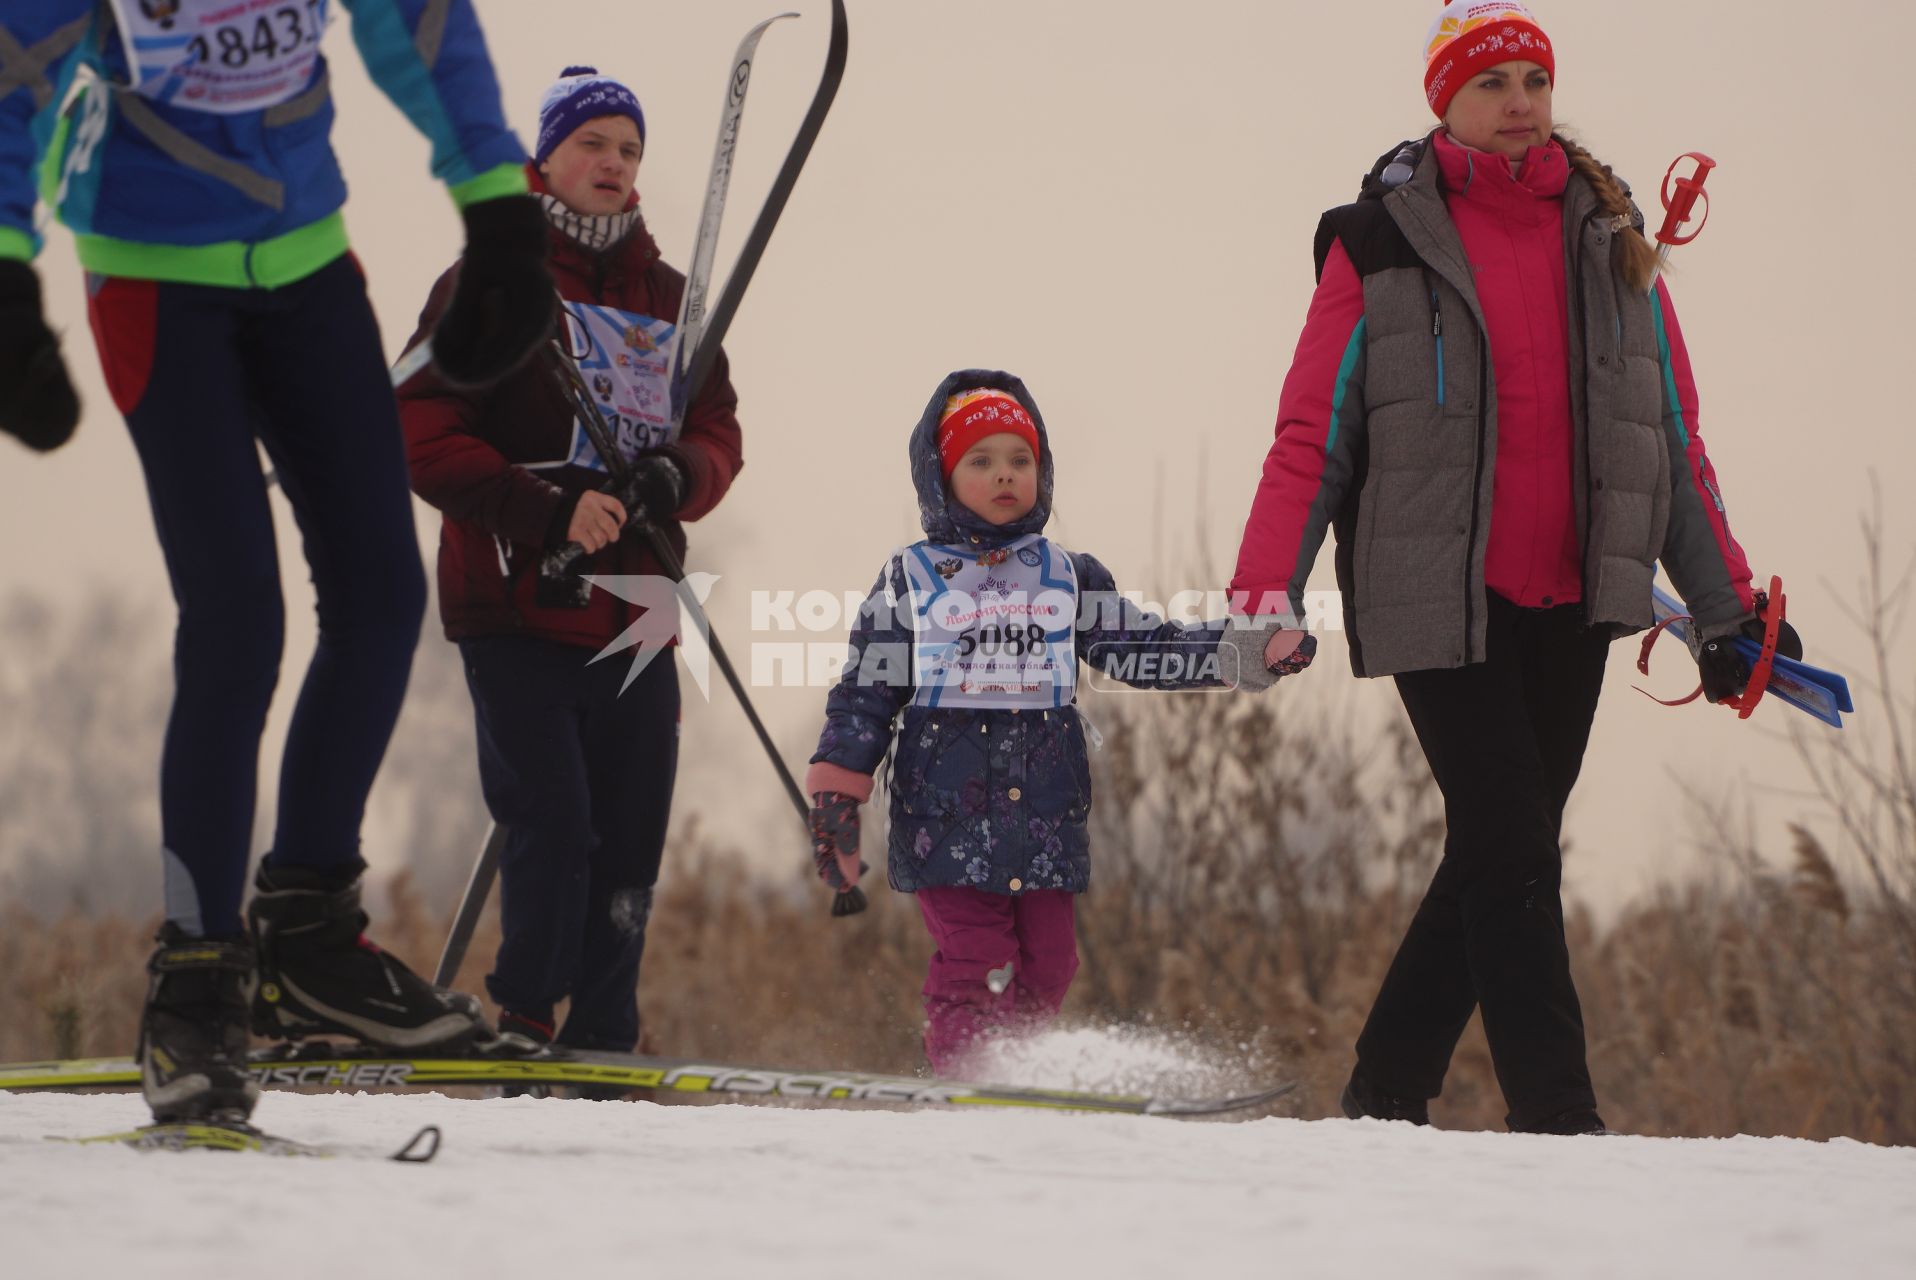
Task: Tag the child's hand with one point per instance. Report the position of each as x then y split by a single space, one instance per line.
835 844
1262 651
1289 652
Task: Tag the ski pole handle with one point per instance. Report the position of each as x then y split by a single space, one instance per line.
1678 206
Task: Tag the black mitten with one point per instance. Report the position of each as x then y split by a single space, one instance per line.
37 401
504 306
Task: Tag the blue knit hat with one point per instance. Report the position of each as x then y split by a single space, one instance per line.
581 94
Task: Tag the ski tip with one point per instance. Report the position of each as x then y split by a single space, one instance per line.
191 1136
1219 1106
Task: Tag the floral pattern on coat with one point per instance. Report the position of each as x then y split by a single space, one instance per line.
995 799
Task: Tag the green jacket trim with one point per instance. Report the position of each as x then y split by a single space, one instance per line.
500 180
1345 367
230 264
1672 401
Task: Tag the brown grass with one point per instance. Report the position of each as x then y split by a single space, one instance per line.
1253 874
1236 908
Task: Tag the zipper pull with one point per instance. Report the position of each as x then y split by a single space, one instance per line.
1436 317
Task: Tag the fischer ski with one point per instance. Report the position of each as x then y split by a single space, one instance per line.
324 1067
177 1136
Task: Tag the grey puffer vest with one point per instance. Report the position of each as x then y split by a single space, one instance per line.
1414 522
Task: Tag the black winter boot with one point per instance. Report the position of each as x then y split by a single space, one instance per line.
320 974
1577 1120
193 1030
1360 1101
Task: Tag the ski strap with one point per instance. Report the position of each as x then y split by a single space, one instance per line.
1770 608
1643 663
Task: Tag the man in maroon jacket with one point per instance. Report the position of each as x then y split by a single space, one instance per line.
578 773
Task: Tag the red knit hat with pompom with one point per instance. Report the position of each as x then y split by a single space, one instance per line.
1472 35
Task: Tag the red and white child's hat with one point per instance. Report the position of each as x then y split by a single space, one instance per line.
972 415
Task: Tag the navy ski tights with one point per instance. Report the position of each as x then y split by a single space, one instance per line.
201 373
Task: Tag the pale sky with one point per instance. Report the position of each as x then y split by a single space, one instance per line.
1115 200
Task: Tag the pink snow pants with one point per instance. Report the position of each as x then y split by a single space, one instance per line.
978 933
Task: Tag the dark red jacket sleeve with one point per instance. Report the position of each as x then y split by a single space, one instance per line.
453 467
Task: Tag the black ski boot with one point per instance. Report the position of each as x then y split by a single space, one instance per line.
522 1037
192 1051
320 975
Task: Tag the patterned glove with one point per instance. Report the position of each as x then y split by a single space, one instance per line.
1250 665
835 848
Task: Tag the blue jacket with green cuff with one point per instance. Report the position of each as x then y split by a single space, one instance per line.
158 190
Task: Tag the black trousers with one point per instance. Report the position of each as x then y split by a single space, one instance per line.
1505 740
580 775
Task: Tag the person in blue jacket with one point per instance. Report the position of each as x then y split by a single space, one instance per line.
967 651
185 143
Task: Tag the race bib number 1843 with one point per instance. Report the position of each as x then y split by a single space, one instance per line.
222 56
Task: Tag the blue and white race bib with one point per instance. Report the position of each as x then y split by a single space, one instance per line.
626 361
221 56
993 630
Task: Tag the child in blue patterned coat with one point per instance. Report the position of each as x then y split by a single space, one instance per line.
968 648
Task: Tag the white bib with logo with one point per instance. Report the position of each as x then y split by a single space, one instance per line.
221 56
996 629
626 361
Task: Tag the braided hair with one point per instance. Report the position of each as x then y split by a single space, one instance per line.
1634 258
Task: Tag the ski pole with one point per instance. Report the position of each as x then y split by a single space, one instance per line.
472 905
1680 204
572 386
848 903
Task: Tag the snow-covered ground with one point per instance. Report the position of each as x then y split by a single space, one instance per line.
563 1188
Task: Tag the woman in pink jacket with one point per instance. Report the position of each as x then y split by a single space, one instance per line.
1492 405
